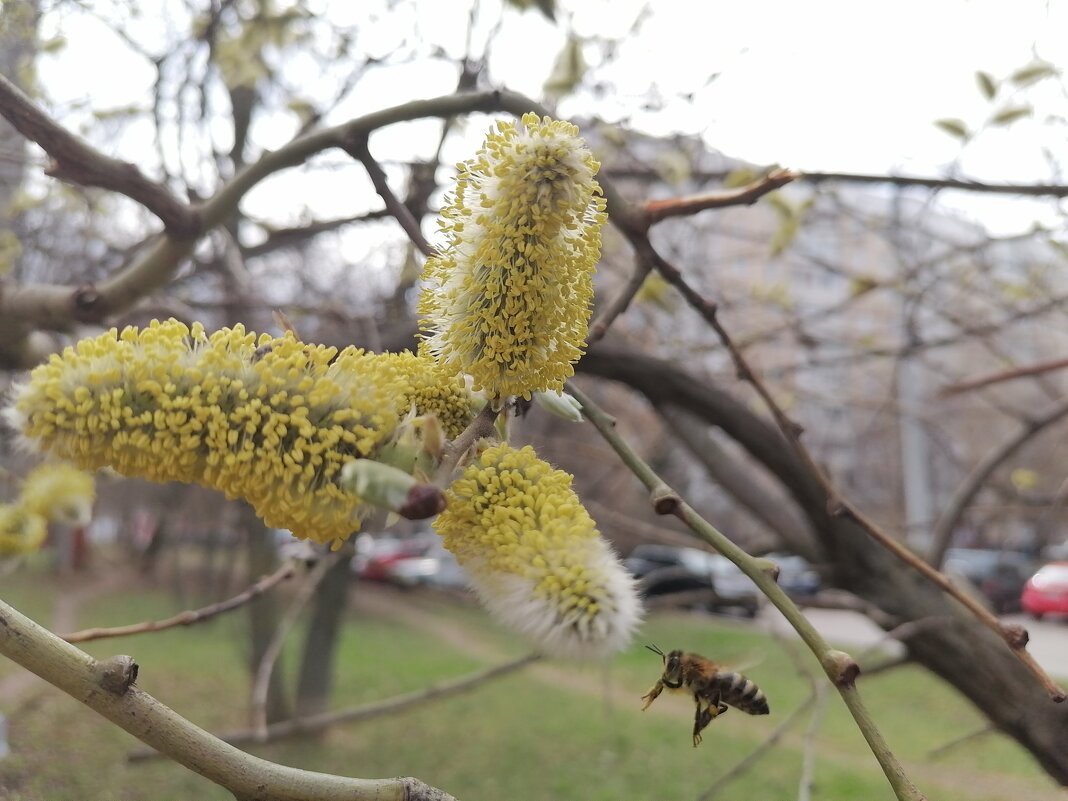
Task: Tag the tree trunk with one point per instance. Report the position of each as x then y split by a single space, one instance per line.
316 680
264 611
964 652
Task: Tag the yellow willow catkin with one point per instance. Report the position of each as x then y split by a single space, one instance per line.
507 301
59 492
535 556
269 419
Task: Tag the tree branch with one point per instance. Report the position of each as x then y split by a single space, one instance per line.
1030 190
359 150
55 307
839 667
261 684
860 565
86 680
1004 375
943 531
76 162
189 616
313 724
653 211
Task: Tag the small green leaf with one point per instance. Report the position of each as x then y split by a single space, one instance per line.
739 177
862 285
568 70
53 45
1032 73
782 205
953 127
987 85
784 235
1009 115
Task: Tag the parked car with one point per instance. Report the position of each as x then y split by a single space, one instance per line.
376 553
998 575
436 567
666 570
1046 592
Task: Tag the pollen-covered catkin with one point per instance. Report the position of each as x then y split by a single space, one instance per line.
507 301
535 556
269 419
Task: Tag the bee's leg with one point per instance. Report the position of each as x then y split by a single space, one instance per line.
702 717
652 695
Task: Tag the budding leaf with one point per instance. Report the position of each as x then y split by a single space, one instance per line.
1032 73
987 85
953 127
1011 114
568 70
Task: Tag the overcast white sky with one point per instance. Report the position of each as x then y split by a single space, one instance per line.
819 84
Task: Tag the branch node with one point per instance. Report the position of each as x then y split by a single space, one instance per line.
1015 635
769 568
86 298
665 500
841 669
117 674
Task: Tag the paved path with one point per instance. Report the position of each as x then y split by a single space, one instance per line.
1049 638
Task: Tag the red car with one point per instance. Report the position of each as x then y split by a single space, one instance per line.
1046 592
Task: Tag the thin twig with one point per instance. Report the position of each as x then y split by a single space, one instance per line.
808 757
903 632
1029 190
82 677
1003 375
945 748
739 768
656 210
946 526
621 302
262 683
840 668
190 616
313 724
1013 635
358 149
481 426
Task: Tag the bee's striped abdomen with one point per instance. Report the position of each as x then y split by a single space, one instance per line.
740 692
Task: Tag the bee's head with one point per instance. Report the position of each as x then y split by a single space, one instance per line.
672 664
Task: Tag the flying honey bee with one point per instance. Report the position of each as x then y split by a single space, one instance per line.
713 688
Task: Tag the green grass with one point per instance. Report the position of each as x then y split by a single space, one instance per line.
552 731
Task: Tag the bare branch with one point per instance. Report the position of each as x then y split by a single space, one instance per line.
653 211
750 759
82 677
1030 190
358 149
76 162
840 668
945 748
836 503
943 531
190 616
621 302
817 177
55 307
1004 375
314 724
262 681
